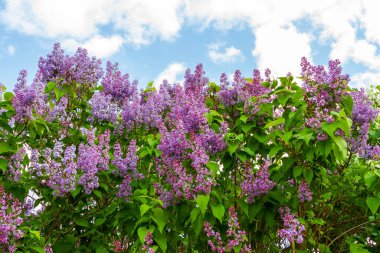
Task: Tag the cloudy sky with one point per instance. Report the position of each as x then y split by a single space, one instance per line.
153 40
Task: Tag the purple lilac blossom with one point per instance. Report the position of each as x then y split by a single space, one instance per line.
235 236
304 193
323 91
255 185
126 168
293 228
15 164
93 158
80 69
10 221
363 114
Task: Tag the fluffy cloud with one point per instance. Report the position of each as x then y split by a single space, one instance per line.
281 49
363 80
98 46
171 74
230 54
350 26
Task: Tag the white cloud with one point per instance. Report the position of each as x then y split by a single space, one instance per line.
230 54
11 50
54 18
280 49
98 46
365 79
171 74
279 43
139 21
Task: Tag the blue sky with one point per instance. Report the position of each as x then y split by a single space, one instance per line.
153 40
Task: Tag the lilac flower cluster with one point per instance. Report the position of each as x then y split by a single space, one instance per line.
10 221
186 136
127 168
28 100
242 89
363 114
80 69
235 236
148 241
58 167
304 193
323 91
255 185
93 158
15 164
293 228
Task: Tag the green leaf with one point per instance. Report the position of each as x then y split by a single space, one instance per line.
160 218
81 222
202 202
358 248
213 166
101 249
161 241
278 121
348 103
4 147
308 174
49 87
8 96
3 164
141 232
305 135
318 221
369 178
37 248
76 191
275 150
373 203
243 118
100 220
297 171
144 208
232 146
218 211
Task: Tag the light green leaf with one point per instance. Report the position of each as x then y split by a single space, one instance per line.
373 203
278 121
218 211
4 147
3 164
202 202
369 178
144 208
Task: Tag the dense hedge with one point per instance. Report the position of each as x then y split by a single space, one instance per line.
91 164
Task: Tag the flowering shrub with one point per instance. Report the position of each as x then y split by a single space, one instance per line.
89 163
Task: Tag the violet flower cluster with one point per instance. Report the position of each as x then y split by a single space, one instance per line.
58 168
148 241
293 231
186 136
29 100
304 193
15 164
93 158
62 69
258 184
126 168
363 115
323 91
235 236
10 221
